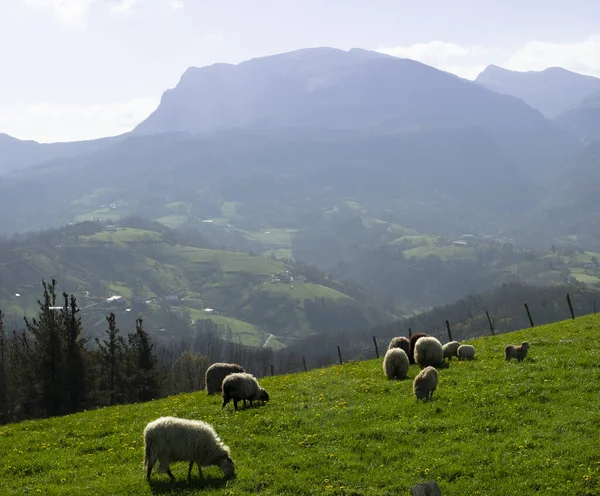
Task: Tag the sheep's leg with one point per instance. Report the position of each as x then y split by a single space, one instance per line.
190 470
150 465
200 471
235 402
170 474
250 402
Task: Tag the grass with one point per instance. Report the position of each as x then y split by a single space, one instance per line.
494 428
173 221
242 332
302 291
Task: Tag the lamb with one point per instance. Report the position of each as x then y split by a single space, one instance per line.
425 383
216 373
172 439
451 349
429 352
242 387
395 363
400 342
413 341
466 352
518 352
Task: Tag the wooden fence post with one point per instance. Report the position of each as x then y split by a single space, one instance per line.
570 306
272 373
594 303
430 488
340 355
529 316
376 349
409 332
449 331
490 323
304 363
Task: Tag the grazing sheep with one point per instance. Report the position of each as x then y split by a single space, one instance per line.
518 352
466 352
425 383
242 387
429 352
400 342
451 349
395 363
172 439
216 373
413 340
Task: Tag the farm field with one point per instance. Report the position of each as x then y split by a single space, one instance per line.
494 427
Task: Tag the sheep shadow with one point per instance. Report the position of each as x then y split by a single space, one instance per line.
167 487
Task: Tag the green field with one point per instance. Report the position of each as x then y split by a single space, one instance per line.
493 428
302 291
243 332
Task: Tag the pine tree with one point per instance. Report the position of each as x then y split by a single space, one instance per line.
4 407
111 358
143 362
49 359
74 352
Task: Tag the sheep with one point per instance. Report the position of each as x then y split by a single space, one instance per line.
172 439
413 340
395 363
451 349
216 373
428 351
242 387
518 352
400 342
425 383
466 352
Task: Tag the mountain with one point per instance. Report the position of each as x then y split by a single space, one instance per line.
325 88
583 121
551 91
17 154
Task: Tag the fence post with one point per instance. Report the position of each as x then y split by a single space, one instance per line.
490 323
594 304
409 332
376 349
449 331
304 363
570 306
272 373
339 355
529 316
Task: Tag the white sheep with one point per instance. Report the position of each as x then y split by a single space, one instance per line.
429 352
216 373
518 352
400 342
172 439
425 383
466 352
395 363
242 387
450 349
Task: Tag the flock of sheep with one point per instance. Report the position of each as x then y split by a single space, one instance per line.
172 439
429 354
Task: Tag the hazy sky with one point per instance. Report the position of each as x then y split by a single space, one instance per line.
78 69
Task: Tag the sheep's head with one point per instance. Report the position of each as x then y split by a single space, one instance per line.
227 466
264 396
525 346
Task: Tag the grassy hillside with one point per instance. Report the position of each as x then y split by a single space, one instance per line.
493 428
251 295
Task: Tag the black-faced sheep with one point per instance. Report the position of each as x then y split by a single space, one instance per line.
400 342
466 352
242 387
518 352
395 363
216 373
429 352
172 439
451 349
425 383
413 341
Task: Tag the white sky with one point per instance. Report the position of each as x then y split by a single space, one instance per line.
80 69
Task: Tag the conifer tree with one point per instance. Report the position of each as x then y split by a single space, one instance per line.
112 352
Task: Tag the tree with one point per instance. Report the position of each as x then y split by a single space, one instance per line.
4 407
142 362
74 353
111 352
